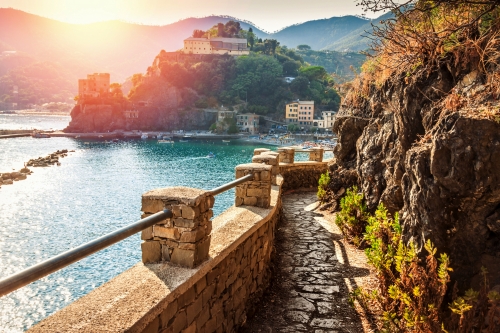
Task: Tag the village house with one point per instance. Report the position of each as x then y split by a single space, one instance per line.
248 122
300 112
216 45
222 114
95 85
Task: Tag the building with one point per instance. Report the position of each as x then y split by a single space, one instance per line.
300 112
95 85
131 114
328 119
222 114
248 122
216 45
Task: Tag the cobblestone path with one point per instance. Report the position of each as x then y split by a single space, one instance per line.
309 292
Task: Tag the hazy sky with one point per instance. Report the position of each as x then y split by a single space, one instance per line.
270 15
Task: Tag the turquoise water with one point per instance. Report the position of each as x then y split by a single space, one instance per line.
96 190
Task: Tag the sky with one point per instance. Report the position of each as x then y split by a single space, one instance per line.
270 15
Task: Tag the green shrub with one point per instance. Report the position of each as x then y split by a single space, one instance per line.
352 216
410 293
323 182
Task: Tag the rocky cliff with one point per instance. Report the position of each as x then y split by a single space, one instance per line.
428 148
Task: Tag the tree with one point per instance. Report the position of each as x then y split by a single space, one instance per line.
291 68
303 47
198 33
270 46
293 128
313 72
299 85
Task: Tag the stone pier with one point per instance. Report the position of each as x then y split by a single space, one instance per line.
287 155
258 191
185 238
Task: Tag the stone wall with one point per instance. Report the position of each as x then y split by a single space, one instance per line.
161 296
164 294
302 174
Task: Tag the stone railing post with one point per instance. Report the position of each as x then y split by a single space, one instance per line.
272 159
185 238
316 154
287 155
258 151
256 192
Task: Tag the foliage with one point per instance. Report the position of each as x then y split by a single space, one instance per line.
475 309
323 182
303 47
37 83
353 216
410 293
293 128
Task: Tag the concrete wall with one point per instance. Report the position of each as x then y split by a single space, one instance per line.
217 295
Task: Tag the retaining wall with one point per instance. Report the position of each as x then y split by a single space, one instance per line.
215 296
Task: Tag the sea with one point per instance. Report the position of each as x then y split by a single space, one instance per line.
96 190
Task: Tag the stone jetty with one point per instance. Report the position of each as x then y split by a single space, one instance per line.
8 178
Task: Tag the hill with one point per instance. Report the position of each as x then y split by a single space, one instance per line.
123 49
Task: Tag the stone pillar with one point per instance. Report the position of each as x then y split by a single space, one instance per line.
258 151
185 238
287 155
316 154
256 192
271 159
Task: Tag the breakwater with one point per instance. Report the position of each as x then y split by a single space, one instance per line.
8 178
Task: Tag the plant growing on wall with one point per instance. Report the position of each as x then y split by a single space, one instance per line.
352 216
323 182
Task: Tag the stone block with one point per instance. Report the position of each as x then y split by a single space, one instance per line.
238 201
151 251
185 223
191 258
190 212
170 233
152 205
176 210
190 329
258 151
165 252
250 201
180 322
192 236
194 309
147 233
210 201
254 192
173 195
200 285
168 313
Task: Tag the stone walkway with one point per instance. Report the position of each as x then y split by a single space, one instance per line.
309 292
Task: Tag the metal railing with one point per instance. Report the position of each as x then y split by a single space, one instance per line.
49 266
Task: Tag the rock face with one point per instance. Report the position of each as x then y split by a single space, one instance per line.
436 166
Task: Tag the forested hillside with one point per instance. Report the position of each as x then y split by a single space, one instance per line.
229 81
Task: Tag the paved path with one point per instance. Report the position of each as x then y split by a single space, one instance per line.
309 292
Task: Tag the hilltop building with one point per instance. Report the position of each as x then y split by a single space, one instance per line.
300 112
95 85
216 45
248 122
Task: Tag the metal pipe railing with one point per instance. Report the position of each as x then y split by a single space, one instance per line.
230 185
33 273
36 272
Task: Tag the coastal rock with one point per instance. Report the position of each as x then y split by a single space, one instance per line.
440 169
7 182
